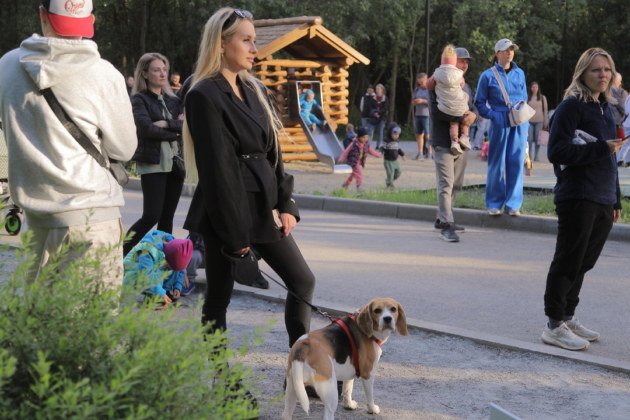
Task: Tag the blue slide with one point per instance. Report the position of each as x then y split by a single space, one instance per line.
326 146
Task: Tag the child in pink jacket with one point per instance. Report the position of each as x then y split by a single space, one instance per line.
355 156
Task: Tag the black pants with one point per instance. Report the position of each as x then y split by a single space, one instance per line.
583 228
285 258
160 195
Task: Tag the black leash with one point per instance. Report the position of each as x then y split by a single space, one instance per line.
300 298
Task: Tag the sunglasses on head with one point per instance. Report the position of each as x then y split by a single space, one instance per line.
244 14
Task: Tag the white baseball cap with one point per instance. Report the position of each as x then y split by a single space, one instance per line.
504 44
71 17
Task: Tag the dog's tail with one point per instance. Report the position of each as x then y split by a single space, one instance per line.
297 375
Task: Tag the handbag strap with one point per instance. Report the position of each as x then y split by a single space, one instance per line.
73 128
506 98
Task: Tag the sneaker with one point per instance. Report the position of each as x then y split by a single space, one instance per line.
456 149
449 235
514 212
563 337
581 331
464 141
494 212
188 289
443 225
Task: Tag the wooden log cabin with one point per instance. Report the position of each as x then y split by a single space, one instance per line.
301 49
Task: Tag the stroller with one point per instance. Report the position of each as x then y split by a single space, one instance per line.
12 218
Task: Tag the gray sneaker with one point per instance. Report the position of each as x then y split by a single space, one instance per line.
581 331
449 235
563 337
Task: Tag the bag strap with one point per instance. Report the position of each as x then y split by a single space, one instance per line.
73 128
506 98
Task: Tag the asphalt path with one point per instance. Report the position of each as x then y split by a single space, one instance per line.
492 282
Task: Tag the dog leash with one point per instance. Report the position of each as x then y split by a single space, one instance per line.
300 298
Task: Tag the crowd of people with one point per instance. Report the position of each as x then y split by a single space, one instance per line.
243 207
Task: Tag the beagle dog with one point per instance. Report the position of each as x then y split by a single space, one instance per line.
349 347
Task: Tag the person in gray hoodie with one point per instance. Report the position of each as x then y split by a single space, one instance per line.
67 197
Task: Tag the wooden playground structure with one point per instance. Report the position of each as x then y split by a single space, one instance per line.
300 49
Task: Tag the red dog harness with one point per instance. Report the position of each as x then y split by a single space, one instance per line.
353 345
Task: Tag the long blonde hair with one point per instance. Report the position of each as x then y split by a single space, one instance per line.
140 83
578 88
209 64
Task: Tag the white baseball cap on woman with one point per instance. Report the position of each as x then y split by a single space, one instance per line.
504 44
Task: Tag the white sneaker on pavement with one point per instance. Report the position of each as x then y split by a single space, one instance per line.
581 331
563 337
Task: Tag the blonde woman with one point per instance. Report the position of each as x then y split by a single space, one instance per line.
586 195
158 115
233 131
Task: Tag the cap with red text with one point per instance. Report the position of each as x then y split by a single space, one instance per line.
71 17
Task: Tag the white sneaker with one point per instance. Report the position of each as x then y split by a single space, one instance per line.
456 149
464 142
494 212
581 331
563 337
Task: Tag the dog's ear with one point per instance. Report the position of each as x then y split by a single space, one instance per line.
401 321
364 320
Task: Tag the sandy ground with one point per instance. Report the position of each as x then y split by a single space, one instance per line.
431 376
426 375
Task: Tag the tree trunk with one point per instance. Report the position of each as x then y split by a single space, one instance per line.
392 85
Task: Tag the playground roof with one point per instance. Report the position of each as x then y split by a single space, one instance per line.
304 38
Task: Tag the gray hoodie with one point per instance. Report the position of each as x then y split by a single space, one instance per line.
51 177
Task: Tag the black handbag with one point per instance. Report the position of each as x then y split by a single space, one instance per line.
243 268
116 168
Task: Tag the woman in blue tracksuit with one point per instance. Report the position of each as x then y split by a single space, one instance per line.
504 184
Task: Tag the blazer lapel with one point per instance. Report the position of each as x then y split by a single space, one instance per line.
254 110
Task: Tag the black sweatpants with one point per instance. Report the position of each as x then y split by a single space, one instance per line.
160 195
583 228
285 258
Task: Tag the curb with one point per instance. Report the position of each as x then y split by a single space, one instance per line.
478 337
523 223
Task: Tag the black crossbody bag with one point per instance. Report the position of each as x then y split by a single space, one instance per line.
116 168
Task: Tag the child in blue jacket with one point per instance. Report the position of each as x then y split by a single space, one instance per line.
159 261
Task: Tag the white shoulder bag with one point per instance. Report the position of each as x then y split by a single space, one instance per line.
520 112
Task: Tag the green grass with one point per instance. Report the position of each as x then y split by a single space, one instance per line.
535 202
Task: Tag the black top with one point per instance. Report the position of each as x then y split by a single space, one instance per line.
147 110
241 175
584 171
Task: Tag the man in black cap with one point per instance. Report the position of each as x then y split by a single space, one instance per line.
449 168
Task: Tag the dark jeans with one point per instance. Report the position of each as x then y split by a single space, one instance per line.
285 258
583 228
160 195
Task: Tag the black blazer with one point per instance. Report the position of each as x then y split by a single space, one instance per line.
147 110
241 176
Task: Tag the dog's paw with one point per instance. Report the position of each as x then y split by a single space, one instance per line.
350 404
373 409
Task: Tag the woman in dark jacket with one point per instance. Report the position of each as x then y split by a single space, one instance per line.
582 148
244 197
378 108
159 119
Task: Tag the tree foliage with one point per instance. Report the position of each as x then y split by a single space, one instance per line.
551 33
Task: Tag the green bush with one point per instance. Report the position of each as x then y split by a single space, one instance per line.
68 351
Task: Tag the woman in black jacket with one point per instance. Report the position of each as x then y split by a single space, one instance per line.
159 119
582 148
244 197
